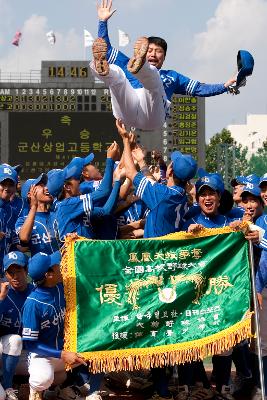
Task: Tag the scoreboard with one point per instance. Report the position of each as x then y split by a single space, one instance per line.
67 113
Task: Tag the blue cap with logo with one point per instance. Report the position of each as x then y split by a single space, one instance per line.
75 167
15 258
7 172
263 179
40 263
17 168
213 181
251 188
242 180
184 166
245 64
238 180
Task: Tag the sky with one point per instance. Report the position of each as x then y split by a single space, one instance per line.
203 39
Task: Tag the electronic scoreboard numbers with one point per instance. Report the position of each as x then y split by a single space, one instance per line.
67 113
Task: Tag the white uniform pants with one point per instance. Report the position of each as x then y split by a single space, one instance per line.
11 345
42 370
144 108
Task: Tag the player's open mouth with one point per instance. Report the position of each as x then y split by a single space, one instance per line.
209 205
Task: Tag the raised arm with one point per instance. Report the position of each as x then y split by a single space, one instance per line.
104 12
130 167
25 231
103 191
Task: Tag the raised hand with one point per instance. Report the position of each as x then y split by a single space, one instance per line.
104 11
122 129
114 151
3 290
33 196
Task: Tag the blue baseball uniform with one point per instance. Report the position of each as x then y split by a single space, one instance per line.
134 212
75 214
43 321
7 226
215 221
166 206
89 186
18 205
173 82
11 311
234 213
261 275
43 237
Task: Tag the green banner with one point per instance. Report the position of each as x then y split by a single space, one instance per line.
143 303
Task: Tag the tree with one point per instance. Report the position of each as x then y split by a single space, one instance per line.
258 161
225 156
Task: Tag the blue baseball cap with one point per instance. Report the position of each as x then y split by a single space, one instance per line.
88 159
17 168
238 180
242 180
245 64
184 166
55 182
7 172
40 263
42 179
263 179
251 188
213 181
75 167
253 178
15 258
25 188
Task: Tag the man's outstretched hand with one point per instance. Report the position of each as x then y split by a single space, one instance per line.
122 129
104 11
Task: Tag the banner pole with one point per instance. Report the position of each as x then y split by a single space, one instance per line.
257 319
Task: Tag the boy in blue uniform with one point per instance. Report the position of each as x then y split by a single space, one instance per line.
75 211
43 324
209 189
8 237
166 203
141 100
36 228
13 294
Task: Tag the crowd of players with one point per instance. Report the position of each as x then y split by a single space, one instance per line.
131 200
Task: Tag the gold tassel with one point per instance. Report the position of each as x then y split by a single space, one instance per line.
160 356
169 355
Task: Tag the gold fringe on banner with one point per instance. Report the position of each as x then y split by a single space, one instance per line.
149 357
169 355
